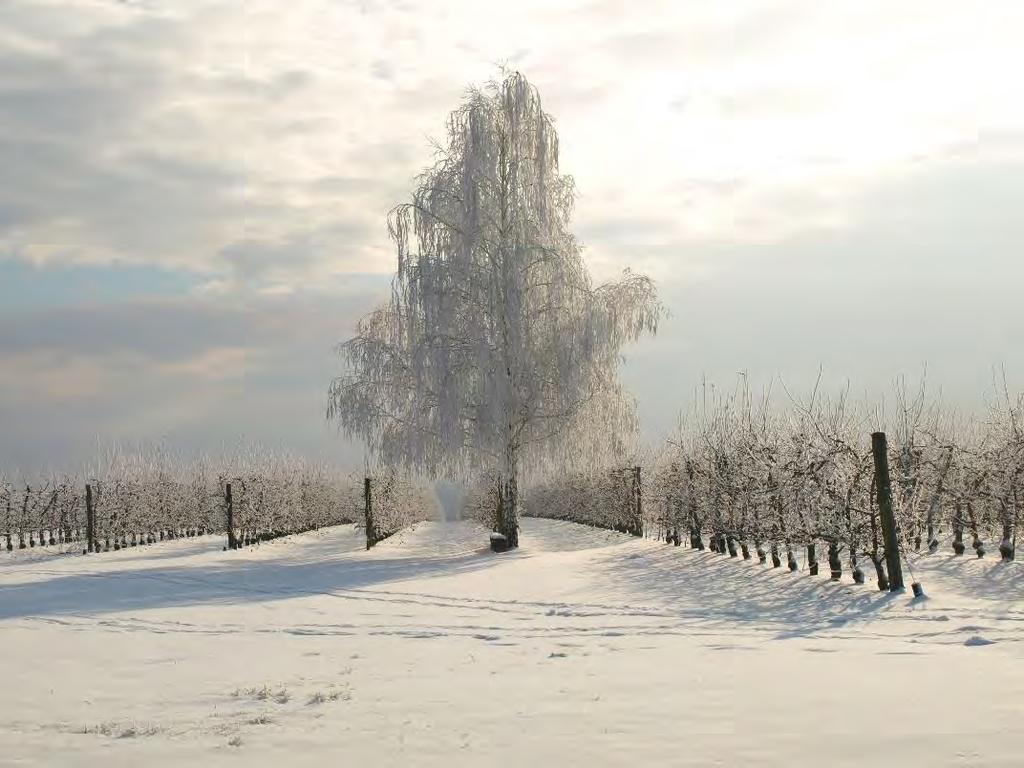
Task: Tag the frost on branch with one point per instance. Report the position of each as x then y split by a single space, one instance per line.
496 355
151 493
396 500
794 481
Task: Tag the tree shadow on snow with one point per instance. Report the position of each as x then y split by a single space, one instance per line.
709 588
986 578
229 580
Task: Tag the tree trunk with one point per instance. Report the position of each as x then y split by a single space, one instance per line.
230 507
883 581
858 574
507 522
958 530
508 510
1006 545
636 497
90 524
977 543
835 565
812 559
368 522
933 506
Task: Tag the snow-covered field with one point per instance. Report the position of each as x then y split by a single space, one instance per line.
583 648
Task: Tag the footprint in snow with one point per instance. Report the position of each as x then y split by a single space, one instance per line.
974 640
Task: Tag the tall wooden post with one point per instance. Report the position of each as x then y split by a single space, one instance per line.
638 522
90 521
883 486
368 510
232 543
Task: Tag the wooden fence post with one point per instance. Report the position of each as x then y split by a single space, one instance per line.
90 521
232 543
638 496
368 512
883 486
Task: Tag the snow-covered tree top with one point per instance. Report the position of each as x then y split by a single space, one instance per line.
495 350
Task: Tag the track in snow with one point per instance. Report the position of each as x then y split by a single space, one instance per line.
583 646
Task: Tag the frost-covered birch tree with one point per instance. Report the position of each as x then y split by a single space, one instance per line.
496 353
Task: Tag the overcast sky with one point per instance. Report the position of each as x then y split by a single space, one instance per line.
194 194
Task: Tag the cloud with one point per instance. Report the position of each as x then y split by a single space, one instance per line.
781 166
189 135
144 136
47 376
196 372
925 275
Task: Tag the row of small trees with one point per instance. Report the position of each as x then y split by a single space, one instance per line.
393 500
746 477
611 498
145 496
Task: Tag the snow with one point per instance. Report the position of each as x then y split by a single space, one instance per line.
584 647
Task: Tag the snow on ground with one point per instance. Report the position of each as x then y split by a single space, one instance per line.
585 647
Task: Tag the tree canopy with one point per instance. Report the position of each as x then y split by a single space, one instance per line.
496 353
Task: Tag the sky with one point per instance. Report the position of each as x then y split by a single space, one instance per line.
194 198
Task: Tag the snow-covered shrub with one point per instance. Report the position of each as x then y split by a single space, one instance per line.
397 500
794 482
